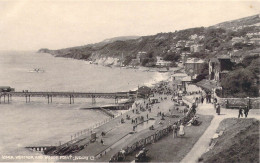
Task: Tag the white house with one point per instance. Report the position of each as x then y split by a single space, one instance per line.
161 62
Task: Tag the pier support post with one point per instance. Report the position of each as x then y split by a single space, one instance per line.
48 99
8 98
25 98
4 98
29 100
51 99
116 100
70 99
0 99
93 99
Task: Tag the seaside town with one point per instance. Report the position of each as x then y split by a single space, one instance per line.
206 109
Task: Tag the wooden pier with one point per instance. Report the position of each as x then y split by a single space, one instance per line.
6 97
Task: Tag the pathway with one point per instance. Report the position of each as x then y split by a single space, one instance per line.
202 144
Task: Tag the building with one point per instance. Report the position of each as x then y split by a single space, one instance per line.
219 67
137 60
237 40
196 48
180 43
162 63
180 80
184 57
6 89
193 66
255 41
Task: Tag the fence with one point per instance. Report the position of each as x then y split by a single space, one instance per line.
77 136
253 103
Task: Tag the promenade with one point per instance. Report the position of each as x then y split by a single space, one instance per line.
119 135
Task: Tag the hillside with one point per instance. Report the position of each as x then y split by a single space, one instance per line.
198 42
239 142
239 23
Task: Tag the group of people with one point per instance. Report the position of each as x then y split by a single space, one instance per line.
177 129
240 111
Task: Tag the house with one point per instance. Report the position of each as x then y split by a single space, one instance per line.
180 80
193 66
184 57
219 67
196 48
196 37
180 44
137 60
162 63
237 40
255 41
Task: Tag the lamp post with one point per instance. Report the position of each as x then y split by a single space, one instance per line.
248 103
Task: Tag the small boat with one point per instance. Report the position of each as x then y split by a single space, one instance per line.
37 70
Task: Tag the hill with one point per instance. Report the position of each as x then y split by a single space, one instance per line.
199 42
239 23
239 142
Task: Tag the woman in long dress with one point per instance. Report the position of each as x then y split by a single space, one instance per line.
181 131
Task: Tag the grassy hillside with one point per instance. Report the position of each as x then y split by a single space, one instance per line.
247 21
239 142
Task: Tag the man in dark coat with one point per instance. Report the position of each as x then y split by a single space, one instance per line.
218 108
240 112
246 110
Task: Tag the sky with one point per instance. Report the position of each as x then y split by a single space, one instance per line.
55 24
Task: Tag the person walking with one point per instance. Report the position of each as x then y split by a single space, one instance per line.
240 112
202 99
175 131
246 110
218 108
181 131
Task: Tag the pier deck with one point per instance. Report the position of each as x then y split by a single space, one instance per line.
71 95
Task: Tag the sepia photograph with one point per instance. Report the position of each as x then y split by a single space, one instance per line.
130 81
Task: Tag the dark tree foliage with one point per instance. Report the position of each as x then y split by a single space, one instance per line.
244 80
201 55
204 71
248 59
172 56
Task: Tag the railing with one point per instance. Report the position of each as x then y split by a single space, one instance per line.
68 94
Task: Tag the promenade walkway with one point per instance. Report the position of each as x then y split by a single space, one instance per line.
119 134
203 143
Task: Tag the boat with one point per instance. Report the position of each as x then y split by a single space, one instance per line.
36 70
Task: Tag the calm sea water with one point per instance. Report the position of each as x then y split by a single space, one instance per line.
38 123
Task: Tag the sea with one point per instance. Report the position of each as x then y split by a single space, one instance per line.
38 123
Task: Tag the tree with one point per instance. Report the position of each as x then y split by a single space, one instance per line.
172 56
240 83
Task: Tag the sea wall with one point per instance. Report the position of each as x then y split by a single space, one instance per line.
254 103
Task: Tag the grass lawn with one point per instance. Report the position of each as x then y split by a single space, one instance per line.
170 149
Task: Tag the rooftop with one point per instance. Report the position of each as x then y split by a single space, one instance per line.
195 60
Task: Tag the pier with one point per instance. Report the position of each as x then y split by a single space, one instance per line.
6 97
